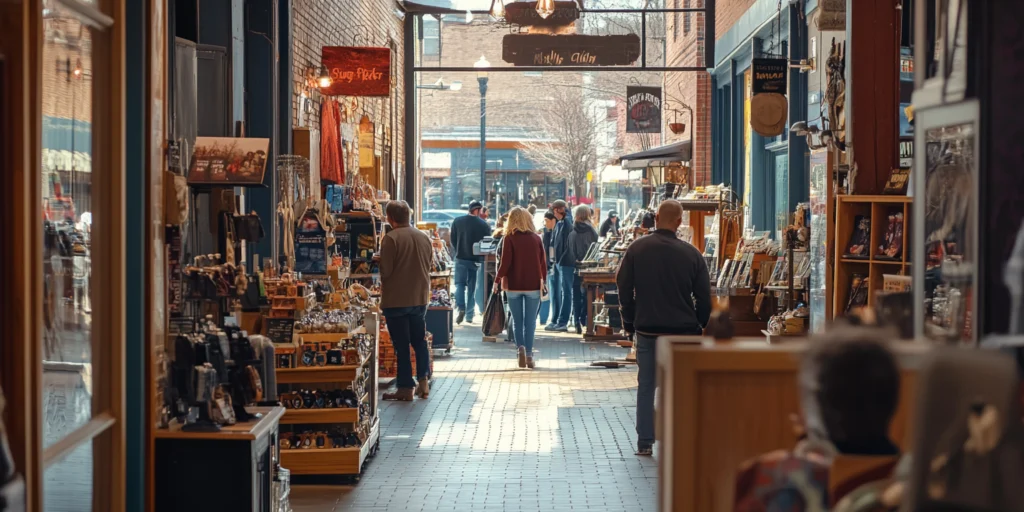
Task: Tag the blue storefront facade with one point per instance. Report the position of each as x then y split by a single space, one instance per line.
769 174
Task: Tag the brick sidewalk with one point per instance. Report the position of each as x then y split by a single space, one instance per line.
493 437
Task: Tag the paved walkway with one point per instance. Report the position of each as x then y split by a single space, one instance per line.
493 437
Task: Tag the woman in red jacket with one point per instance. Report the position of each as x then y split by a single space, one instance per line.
522 273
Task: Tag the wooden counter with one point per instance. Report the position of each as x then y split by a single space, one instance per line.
229 470
722 404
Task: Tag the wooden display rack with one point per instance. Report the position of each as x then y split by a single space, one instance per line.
877 208
333 461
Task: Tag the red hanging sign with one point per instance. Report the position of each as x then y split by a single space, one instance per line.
357 71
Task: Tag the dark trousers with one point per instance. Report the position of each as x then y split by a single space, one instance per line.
408 326
579 300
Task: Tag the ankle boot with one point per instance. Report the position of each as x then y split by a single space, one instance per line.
423 388
529 362
400 395
522 357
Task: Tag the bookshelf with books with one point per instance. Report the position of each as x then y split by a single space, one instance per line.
871 242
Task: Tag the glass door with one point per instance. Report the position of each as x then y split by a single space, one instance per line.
79 194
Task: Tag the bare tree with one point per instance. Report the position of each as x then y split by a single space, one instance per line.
569 150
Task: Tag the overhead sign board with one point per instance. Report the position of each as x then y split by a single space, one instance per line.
525 14
769 75
570 50
357 71
643 106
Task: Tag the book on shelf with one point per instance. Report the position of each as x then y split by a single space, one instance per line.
860 238
891 246
858 296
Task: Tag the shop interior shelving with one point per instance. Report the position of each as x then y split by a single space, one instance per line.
876 265
346 461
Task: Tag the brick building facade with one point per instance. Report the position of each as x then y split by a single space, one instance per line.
685 40
319 23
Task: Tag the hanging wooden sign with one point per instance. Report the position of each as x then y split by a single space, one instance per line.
644 109
525 14
357 71
570 50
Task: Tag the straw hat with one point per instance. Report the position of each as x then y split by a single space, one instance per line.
768 113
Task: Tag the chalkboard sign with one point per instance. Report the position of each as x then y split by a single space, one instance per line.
310 246
279 330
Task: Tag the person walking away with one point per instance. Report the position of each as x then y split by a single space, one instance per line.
664 289
405 258
610 225
522 273
582 237
549 307
565 264
466 231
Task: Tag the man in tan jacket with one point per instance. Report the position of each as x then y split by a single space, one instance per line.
405 258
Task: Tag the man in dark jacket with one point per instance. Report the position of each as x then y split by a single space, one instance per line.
610 225
466 231
565 265
554 300
582 237
664 289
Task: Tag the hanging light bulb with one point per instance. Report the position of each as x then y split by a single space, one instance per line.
545 8
78 69
324 80
498 9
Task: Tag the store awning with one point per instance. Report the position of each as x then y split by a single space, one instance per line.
661 155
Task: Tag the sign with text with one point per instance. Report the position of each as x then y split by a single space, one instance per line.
769 75
525 14
357 71
225 161
570 50
643 106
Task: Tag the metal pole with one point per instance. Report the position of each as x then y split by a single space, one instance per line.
483 139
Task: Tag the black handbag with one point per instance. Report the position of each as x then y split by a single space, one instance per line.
494 315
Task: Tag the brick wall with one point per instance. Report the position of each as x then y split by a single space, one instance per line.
319 23
686 48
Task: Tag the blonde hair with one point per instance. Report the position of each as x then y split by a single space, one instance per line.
581 213
519 220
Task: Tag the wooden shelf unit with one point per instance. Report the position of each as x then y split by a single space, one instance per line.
333 461
877 208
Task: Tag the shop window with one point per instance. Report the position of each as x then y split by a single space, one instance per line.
431 37
686 18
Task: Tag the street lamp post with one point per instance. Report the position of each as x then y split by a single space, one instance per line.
481 78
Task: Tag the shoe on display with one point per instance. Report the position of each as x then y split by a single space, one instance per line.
401 395
522 357
529 362
423 388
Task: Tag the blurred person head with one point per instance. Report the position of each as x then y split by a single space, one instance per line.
614 217
549 220
581 213
519 221
532 209
849 389
398 213
669 215
559 208
485 213
475 208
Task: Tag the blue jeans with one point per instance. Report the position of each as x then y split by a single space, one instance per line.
549 308
408 326
566 278
647 384
524 307
465 286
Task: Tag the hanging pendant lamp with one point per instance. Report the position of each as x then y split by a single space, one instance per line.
545 8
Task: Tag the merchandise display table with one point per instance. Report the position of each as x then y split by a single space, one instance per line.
227 470
592 282
724 403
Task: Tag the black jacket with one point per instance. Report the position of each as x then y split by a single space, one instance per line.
582 236
664 287
607 226
466 231
560 240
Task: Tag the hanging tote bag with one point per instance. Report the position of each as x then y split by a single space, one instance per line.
494 315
